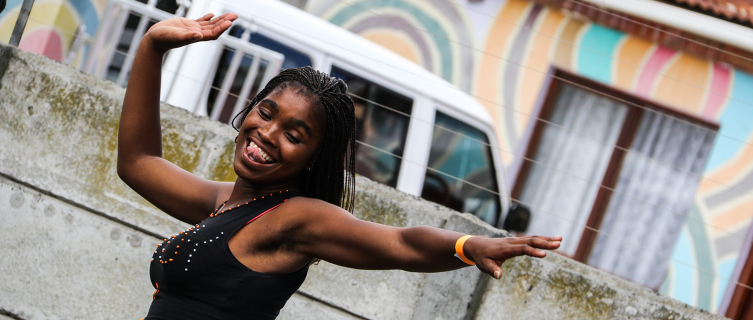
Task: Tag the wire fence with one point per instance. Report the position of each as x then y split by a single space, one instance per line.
547 122
534 118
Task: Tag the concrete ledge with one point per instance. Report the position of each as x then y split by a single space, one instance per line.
560 288
61 262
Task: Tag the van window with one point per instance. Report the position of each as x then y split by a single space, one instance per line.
234 91
380 131
134 21
461 153
228 101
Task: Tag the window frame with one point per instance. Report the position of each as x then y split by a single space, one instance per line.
555 77
245 47
737 303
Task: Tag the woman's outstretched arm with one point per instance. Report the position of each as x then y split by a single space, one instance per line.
332 234
140 163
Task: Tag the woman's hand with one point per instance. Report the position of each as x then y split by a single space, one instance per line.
178 32
489 254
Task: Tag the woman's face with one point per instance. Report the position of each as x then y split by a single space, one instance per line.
278 139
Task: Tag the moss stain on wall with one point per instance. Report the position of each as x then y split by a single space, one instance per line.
222 169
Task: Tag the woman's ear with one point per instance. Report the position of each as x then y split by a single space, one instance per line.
313 161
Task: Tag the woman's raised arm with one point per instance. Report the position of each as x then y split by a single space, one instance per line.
334 235
140 163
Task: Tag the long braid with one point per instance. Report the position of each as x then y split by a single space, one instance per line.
332 177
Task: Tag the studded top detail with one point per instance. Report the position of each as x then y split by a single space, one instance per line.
206 281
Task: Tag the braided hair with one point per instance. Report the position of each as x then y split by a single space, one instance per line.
332 176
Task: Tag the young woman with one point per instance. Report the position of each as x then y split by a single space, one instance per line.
253 240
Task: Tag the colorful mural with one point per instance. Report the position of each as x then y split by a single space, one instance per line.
499 52
512 55
52 25
431 33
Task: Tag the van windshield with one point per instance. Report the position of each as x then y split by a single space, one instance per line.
461 173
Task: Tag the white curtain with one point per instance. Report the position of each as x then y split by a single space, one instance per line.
570 163
655 190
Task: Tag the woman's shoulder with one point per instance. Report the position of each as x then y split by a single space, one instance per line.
312 208
311 203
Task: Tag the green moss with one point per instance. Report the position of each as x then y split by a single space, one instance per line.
574 295
371 207
184 151
222 169
665 314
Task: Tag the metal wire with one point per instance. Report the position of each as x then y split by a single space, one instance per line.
533 206
722 94
489 145
523 157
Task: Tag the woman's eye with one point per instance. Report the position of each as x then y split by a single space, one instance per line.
263 114
292 139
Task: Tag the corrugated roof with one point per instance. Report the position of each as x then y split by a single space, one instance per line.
740 11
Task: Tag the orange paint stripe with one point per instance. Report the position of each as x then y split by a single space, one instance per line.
566 45
488 84
730 219
631 54
728 173
683 83
537 64
394 43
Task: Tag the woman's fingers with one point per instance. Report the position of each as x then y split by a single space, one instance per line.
214 30
205 18
537 241
493 252
490 267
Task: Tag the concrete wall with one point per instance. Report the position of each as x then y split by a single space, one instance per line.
75 241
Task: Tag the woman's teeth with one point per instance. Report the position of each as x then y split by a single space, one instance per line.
252 147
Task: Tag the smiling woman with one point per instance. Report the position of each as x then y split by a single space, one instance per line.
253 240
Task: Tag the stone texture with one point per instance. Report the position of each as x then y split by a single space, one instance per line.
301 307
559 288
59 132
75 241
59 261
456 294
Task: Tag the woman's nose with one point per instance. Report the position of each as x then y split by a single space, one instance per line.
267 134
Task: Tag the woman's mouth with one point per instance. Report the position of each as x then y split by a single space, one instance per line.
256 154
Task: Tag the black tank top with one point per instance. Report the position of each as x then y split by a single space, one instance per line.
197 277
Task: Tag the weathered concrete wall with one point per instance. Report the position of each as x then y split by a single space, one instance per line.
75 241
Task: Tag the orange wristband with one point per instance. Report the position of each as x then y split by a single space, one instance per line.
459 250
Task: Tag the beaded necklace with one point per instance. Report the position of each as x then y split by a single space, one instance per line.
215 213
182 235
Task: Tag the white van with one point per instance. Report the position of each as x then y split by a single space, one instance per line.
416 132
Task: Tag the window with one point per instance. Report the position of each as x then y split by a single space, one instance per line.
228 84
244 68
382 118
124 25
600 163
118 71
460 161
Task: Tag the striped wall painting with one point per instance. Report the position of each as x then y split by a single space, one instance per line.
51 25
505 70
